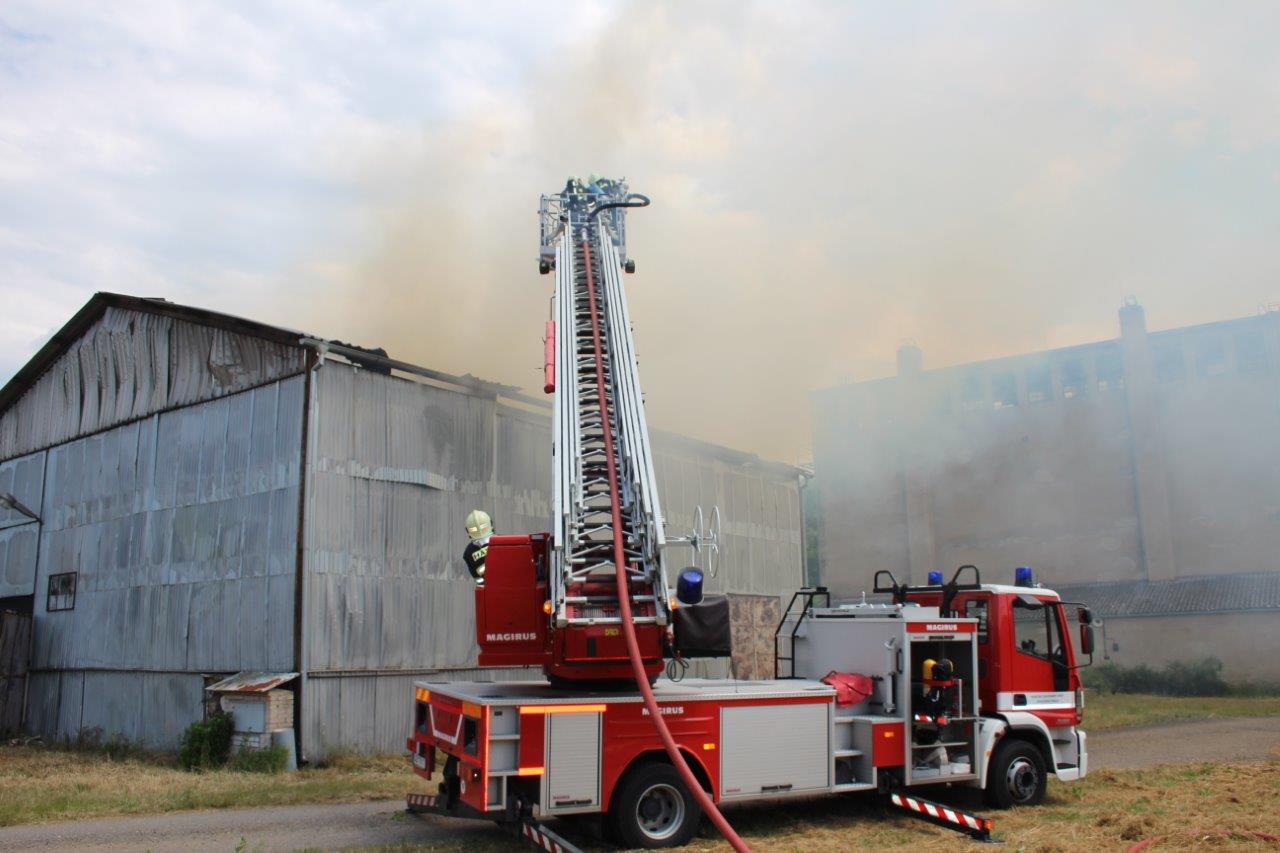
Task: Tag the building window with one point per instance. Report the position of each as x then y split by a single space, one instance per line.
62 592
971 396
1211 357
1073 378
1170 364
1251 351
1004 390
1039 384
1110 368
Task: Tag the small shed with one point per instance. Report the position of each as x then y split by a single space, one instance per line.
258 705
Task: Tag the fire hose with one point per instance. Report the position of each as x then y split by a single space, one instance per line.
624 595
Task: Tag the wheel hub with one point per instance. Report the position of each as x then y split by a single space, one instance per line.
660 811
1022 780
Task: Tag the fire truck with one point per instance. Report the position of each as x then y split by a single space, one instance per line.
948 683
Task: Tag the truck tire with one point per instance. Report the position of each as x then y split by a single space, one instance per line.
653 809
1016 775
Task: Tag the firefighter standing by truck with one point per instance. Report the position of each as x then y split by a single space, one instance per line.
479 528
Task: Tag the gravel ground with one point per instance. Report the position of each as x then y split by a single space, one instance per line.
384 823
1227 739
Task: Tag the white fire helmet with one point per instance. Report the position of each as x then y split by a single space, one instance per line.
479 526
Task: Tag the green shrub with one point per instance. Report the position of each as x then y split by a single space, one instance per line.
206 743
1176 678
271 759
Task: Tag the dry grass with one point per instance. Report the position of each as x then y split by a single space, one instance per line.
1109 810
41 784
1106 811
1105 711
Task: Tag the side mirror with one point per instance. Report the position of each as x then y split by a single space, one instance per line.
1086 639
1086 616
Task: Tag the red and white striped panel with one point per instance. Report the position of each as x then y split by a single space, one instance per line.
934 810
548 840
925 718
425 801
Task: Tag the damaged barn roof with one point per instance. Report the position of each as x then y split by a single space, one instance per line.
252 682
96 307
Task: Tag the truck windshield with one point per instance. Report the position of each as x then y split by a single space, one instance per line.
1036 630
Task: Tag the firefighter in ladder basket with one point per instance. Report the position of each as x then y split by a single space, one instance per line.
479 528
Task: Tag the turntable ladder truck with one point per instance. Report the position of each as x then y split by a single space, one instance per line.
960 683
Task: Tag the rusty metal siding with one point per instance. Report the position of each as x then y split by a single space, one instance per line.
131 364
183 530
395 467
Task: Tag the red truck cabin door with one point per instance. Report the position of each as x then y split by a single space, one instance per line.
1038 678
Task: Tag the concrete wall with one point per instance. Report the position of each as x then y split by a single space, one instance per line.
1242 641
1153 456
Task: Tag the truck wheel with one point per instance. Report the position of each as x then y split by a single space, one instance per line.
653 809
1016 775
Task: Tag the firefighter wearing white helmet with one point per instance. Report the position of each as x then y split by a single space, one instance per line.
479 528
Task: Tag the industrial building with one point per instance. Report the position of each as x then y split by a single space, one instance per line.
191 495
1140 475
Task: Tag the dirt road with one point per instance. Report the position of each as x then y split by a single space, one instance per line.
1227 739
383 823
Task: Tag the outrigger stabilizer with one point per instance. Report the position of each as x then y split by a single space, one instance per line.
523 827
976 827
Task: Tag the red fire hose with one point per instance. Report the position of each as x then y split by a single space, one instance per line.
624 596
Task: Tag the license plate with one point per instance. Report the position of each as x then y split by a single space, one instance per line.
420 761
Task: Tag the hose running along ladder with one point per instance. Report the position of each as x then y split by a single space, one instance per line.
607 541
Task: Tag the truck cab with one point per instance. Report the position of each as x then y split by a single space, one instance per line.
1028 675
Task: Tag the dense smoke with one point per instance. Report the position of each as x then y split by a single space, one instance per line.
829 180
828 183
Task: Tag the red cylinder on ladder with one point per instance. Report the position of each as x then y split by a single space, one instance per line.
549 360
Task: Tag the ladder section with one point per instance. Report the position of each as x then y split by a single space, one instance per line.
604 491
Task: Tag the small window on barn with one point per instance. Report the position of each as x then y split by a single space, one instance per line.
1073 378
1039 384
1251 351
62 592
971 396
1110 367
1170 364
1004 390
1211 357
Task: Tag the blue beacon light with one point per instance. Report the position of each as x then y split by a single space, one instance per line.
935 578
1022 576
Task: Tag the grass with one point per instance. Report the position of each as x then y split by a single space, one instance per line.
1105 711
39 784
1108 810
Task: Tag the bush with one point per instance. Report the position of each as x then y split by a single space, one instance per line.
1176 678
206 743
271 759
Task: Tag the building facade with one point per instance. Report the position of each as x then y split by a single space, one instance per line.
1141 461
201 495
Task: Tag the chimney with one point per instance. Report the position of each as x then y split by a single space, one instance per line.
910 360
1133 320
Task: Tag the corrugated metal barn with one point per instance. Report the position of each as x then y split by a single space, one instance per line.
196 494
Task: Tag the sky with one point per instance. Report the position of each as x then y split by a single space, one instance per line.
829 180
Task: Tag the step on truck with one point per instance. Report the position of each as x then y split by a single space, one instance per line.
955 683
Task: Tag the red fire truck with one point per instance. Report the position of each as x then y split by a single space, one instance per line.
947 683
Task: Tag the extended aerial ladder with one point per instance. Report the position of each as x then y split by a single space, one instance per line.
553 599
604 485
